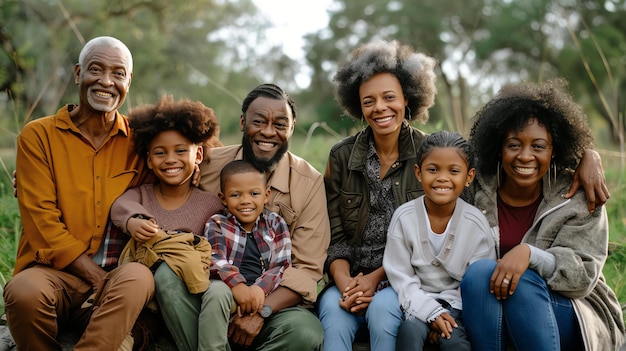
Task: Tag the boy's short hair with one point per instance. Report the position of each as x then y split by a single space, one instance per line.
238 167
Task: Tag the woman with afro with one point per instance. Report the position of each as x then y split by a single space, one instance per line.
546 291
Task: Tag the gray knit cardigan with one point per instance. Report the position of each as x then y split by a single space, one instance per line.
579 242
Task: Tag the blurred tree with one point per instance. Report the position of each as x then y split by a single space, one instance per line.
596 64
204 50
481 45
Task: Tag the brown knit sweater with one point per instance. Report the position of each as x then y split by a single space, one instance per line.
190 217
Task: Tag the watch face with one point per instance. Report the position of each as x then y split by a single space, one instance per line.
266 311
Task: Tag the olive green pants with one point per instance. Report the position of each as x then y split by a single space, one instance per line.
200 321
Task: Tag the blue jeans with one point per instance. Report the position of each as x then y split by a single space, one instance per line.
534 318
413 335
383 317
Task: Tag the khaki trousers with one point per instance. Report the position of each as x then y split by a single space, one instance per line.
41 300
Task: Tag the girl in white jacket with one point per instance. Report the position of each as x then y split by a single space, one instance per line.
431 242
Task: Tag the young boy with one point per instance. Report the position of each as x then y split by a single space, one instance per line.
251 247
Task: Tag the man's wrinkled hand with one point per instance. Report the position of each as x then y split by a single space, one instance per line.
243 329
590 175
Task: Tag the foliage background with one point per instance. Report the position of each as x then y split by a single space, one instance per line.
215 51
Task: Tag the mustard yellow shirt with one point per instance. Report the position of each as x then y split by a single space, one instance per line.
65 187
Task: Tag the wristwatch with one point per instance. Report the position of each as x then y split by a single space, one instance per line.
266 311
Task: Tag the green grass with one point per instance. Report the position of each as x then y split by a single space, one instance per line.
10 227
315 150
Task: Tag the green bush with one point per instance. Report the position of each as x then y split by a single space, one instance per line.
10 227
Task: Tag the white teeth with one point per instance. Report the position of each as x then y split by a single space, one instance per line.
524 169
246 210
266 144
384 119
173 170
103 94
441 190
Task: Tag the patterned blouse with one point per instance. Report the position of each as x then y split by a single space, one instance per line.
369 256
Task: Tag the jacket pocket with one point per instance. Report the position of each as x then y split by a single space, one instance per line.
121 180
350 205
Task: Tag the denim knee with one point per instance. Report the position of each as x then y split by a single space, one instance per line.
384 311
476 277
412 332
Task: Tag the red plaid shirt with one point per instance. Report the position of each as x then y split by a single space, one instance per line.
113 242
228 243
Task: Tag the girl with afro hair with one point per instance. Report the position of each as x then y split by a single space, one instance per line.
170 135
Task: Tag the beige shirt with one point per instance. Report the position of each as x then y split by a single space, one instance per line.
304 210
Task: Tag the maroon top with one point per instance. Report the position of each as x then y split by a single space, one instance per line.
514 222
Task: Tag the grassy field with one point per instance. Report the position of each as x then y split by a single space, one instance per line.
315 150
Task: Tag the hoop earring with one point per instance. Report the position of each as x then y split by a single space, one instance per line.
407 113
498 175
550 171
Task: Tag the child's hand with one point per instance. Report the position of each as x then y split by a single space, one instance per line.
141 229
443 325
249 299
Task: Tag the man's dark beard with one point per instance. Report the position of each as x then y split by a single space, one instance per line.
260 164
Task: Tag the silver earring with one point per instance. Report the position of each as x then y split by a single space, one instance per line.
498 175
407 113
550 176
552 169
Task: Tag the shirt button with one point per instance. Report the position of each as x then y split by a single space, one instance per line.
397 183
349 201
484 211
435 263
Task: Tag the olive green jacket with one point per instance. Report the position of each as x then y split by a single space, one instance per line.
347 189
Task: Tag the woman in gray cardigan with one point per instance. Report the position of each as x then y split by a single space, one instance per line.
546 291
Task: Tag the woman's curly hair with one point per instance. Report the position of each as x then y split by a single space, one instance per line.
414 70
192 119
554 108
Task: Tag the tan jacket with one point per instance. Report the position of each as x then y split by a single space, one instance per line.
188 255
297 194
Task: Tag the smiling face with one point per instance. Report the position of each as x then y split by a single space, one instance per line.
172 158
103 79
444 174
383 103
267 127
245 195
526 156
